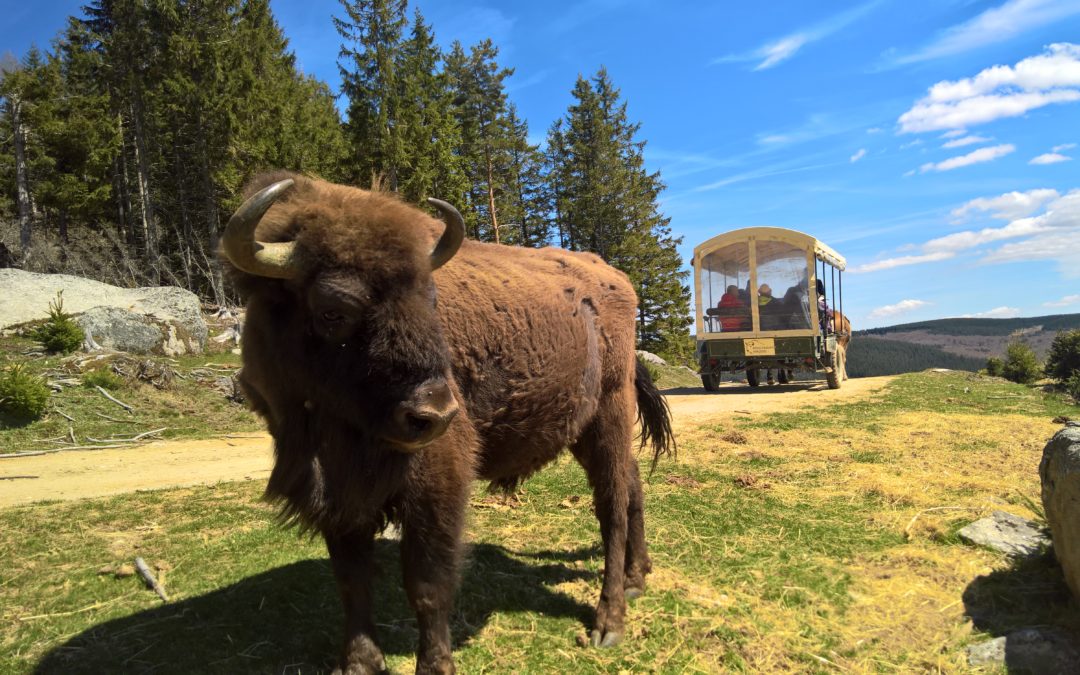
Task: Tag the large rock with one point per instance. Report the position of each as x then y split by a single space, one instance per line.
649 357
25 296
1028 650
124 331
1059 471
1006 533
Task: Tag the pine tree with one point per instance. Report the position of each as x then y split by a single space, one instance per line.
372 31
483 117
430 165
605 201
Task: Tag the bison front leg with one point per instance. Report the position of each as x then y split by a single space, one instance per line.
430 556
351 557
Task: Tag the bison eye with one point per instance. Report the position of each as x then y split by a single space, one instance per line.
330 316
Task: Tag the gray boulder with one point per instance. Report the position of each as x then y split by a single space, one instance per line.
649 357
124 331
25 296
1028 650
1006 533
1059 472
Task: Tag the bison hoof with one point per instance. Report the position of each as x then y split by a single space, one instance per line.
633 593
609 639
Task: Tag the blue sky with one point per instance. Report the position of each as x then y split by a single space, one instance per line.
932 143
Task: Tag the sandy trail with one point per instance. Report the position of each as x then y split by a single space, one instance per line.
164 464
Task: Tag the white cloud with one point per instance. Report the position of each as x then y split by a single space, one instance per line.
1048 236
912 144
1063 147
1009 206
902 307
977 157
954 133
966 140
1061 216
889 263
874 130
858 155
1049 158
999 91
773 53
1002 312
1064 302
996 24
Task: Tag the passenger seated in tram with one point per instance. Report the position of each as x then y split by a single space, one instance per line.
771 312
825 315
733 312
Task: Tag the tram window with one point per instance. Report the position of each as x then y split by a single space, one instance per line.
725 288
783 282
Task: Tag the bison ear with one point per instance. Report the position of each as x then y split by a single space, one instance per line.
452 236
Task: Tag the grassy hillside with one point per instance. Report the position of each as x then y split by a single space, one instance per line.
870 357
1003 327
976 339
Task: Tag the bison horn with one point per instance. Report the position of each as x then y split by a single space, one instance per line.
275 260
452 236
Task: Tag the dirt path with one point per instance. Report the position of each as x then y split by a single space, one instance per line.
77 475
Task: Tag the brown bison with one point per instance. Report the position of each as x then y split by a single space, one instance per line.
390 379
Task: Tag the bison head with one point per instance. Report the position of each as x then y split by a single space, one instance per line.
342 306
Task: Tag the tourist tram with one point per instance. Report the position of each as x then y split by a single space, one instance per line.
769 298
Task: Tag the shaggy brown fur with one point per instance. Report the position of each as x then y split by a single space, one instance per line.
537 347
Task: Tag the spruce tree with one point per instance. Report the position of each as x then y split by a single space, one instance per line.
483 117
371 31
607 202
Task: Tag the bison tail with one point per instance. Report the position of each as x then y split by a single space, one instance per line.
654 416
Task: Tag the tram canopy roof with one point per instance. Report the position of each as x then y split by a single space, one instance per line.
763 235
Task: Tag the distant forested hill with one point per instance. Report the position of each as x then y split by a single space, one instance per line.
876 356
975 338
1052 323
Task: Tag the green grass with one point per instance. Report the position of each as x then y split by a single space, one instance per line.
767 557
251 597
189 408
943 393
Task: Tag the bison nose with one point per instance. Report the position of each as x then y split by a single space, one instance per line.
422 417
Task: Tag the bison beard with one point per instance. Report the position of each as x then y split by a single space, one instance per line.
390 382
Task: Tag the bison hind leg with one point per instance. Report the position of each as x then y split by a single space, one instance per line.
605 452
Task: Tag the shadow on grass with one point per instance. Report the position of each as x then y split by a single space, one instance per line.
1030 593
288 619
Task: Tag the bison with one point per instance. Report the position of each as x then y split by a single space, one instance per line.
394 363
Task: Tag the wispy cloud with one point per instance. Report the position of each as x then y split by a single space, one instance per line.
1063 147
1043 236
977 157
775 52
902 261
858 155
994 25
998 92
1064 302
902 307
1002 312
966 140
1009 206
1050 158
765 172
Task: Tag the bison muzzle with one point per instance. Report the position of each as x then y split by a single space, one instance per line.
395 363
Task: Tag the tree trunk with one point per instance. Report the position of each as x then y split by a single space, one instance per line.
491 193
22 179
146 205
217 282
